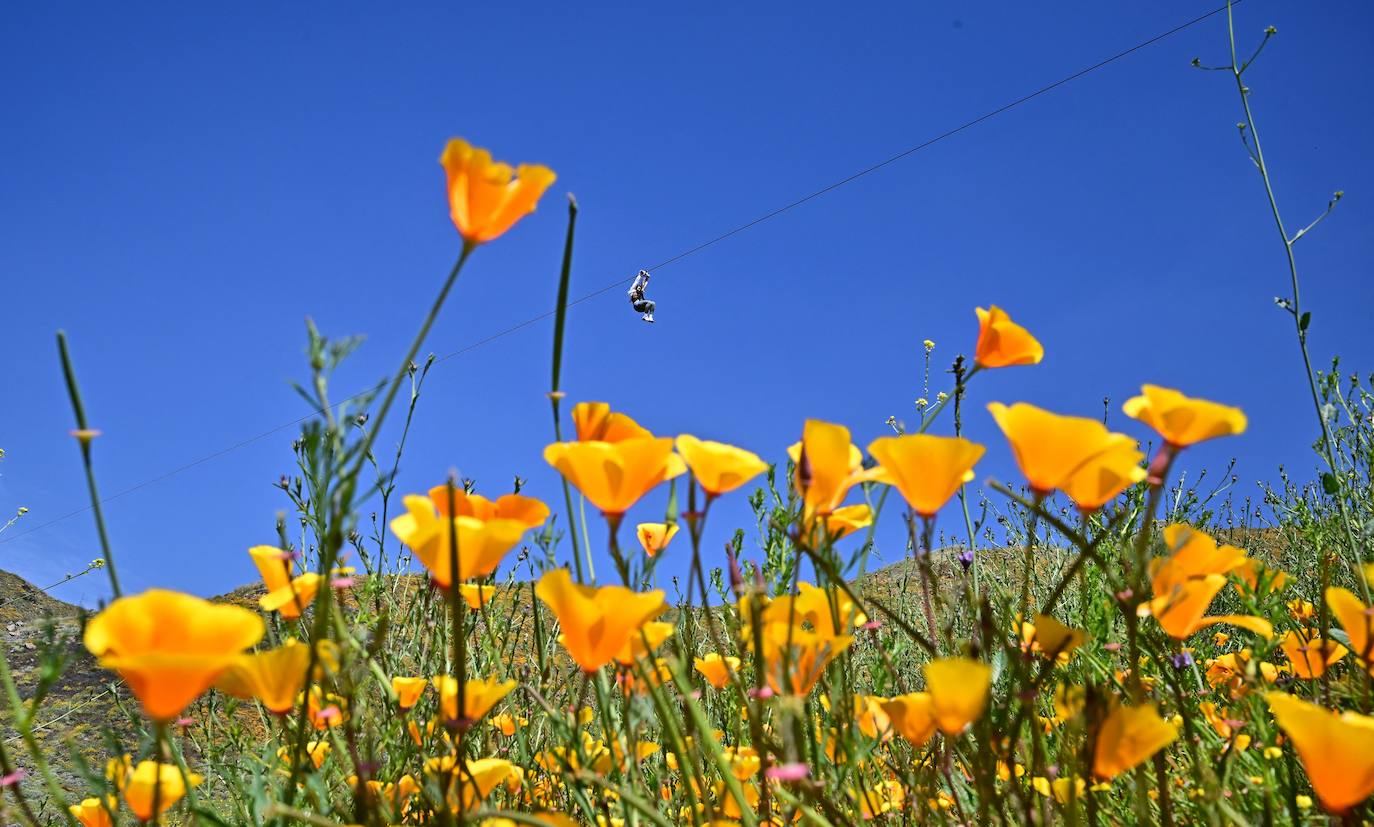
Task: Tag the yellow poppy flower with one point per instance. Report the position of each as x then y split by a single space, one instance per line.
143 785
1308 655
655 537
408 690
169 647
1047 636
614 475
1181 420
958 690
827 466
485 530
927 470
91 812
847 519
1129 735
1336 750
912 717
795 658
1356 619
654 631
1180 610
870 717
479 696
719 468
596 422
596 622
1193 553
286 594
486 198
476 596
274 677
827 611
1004 343
506 723
481 777
1050 449
715 669
317 751
1099 480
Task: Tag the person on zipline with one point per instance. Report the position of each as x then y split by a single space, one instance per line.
637 300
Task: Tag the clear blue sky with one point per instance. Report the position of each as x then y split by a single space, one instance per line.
182 187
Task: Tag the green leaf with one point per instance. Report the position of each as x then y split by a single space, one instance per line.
1330 484
1305 320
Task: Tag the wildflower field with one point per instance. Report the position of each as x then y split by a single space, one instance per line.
1118 646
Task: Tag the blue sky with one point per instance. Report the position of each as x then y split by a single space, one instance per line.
182 187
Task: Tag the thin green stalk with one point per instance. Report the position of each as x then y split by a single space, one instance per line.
84 439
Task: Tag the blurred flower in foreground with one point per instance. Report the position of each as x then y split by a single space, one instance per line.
719 468
651 634
911 717
486 198
285 594
1099 480
485 530
655 537
1308 655
927 470
596 623
169 647
274 677
1004 343
1129 735
1336 750
142 786
1357 620
1181 420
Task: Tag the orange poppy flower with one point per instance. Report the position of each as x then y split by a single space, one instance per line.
1129 735
485 530
486 198
958 690
169 647
143 783
1099 480
479 696
654 633
91 812
655 537
408 690
286 594
912 716
719 468
1356 620
274 677
1050 449
848 519
596 422
827 466
1181 420
1004 343
1336 750
927 470
614 475
596 622
1309 655
716 669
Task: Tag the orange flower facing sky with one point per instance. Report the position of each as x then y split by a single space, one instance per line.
1049 448
827 466
1004 343
1181 420
655 537
614 475
485 530
597 622
485 197
719 468
1099 480
596 422
169 647
927 470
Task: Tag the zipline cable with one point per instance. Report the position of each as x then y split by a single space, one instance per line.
665 263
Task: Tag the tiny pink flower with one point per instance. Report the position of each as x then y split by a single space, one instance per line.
13 778
788 772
